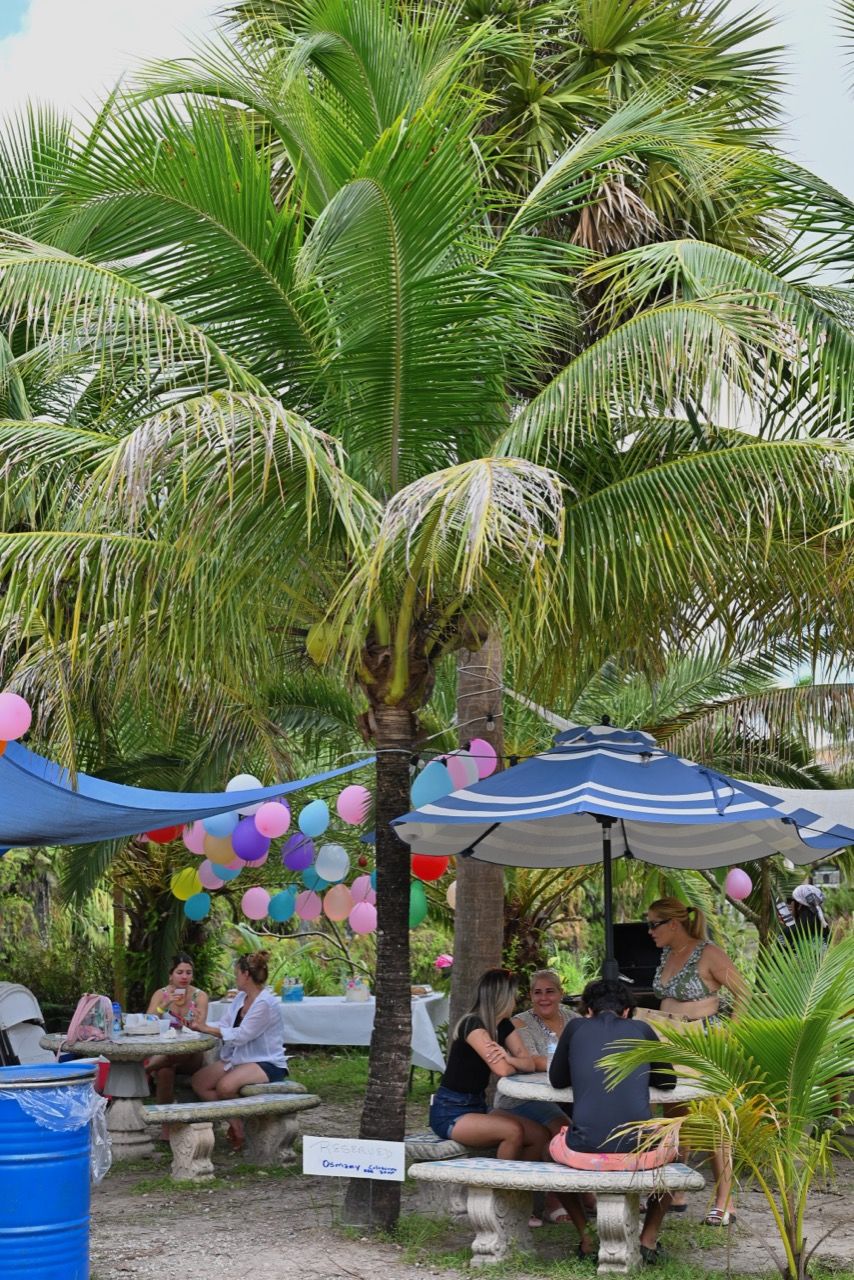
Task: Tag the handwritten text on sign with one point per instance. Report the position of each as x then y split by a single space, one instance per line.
354 1158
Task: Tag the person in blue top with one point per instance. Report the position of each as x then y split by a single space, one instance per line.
600 1135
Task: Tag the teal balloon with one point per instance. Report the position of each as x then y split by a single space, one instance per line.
228 873
314 818
312 880
220 824
374 881
431 784
282 905
417 904
197 907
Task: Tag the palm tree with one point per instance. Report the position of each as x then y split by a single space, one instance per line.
318 394
773 1077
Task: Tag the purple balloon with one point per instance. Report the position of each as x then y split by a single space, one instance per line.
298 852
247 841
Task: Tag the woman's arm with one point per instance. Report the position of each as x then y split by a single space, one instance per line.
724 972
202 1004
157 1000
496 1058
518 1053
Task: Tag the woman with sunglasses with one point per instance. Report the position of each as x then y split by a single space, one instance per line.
688 982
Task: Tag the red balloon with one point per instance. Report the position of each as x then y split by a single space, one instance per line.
165 835
426 867
362 860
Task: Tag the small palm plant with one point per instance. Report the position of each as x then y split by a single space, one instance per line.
775 1080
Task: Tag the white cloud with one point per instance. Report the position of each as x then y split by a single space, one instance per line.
71 52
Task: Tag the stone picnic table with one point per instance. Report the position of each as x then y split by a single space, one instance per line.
127 1083
535 1087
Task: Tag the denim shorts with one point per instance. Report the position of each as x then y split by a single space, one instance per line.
542 1112
447 1107
273 1073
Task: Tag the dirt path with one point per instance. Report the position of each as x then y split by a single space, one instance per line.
274 1227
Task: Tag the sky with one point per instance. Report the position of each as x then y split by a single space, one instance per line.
70 51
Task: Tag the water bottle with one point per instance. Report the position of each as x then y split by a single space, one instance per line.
550 1050
117 1019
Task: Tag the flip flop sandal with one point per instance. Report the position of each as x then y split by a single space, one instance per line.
534 1221
652 1257
592 1256
720 1218
556 1215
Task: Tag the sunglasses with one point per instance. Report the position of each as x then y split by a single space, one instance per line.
652 925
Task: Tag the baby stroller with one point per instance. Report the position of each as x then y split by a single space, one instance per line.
21 1027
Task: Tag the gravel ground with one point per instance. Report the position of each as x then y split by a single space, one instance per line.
270 1227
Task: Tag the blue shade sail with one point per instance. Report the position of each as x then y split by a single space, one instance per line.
40 802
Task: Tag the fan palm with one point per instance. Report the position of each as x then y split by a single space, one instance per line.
773 1079
317 390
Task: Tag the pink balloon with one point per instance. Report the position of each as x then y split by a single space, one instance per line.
236 864
308 905
353 804
208 877
273 819
193 838
255 903
463 769
485 756
363 918
361 889
15 716
338 902
738 884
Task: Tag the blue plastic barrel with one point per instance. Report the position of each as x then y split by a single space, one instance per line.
44 1179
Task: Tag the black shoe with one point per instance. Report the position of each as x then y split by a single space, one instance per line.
592 1256
652 1257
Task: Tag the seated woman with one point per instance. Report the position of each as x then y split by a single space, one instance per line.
541 1027
485 1041
593 1138
251 1034
181 1001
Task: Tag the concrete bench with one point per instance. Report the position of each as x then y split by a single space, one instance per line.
269 1120
282 1087
499 1202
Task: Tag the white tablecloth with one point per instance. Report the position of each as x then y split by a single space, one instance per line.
334 1020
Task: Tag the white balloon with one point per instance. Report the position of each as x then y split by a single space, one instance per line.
332 863
246 782
451 895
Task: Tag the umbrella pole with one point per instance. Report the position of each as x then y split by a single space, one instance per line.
610 968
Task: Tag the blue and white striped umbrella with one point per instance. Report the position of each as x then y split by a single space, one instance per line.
665 810
603 792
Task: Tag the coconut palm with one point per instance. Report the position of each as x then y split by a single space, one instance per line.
774 1079
317 391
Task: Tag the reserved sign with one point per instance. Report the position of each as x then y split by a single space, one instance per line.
354 1158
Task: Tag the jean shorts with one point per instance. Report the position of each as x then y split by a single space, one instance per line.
542 1112
273 1073
447 1107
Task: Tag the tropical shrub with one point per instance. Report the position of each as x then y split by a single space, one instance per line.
776 1080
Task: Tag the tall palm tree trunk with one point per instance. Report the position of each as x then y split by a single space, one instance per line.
368 1203
479 918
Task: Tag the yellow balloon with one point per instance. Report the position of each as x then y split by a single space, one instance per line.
219 849
185 883
337 902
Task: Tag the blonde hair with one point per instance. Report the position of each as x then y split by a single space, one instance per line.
691 918
255 964
495 999
548 974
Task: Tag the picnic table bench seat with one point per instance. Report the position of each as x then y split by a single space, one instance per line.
270 1126
499 1202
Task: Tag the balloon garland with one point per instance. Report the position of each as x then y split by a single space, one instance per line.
230 842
